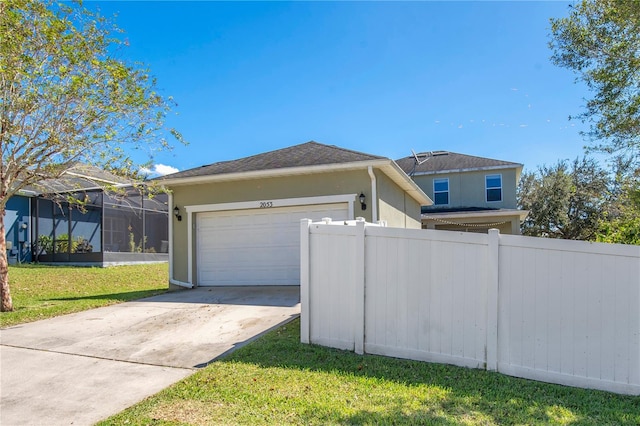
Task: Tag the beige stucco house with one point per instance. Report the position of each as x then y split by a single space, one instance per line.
469 193
238 222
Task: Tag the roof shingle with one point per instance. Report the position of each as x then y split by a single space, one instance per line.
442 161
306 154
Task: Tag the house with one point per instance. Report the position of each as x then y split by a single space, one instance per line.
238 222
16 225
469 193
115 222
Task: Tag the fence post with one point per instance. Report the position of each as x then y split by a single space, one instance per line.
359 313
305 224
492 299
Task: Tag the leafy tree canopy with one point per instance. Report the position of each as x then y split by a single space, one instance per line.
565 200
621 223
600 42
65 97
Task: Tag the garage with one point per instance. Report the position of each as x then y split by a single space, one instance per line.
255 246
237 222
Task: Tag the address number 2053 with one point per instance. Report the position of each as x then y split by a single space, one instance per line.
266 204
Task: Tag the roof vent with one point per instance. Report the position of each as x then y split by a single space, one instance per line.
439 153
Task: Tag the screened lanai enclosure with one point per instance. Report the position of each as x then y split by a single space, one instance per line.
104 228
89 216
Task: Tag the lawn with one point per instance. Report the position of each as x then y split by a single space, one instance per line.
278 380
41 292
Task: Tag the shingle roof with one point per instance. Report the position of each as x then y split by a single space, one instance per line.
441 161
306 154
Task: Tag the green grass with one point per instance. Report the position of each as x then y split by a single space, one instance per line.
278 380
40 292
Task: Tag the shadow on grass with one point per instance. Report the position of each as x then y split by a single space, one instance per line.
474 396
122 296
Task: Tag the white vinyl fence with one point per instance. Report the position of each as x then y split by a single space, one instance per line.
559 311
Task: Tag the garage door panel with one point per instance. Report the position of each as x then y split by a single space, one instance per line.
246 276
255 247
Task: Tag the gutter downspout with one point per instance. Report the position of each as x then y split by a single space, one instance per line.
374 196
172 280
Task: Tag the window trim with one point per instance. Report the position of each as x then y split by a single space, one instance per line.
441 192
487 188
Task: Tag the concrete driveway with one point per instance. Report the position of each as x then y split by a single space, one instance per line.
81 368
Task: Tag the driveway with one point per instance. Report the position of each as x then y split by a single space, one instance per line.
81 368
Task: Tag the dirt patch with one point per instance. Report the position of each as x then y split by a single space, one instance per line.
249 322
191 412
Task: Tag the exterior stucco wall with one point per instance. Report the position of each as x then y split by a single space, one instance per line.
467 189
395 206
321 184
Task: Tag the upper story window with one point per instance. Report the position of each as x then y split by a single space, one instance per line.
441 191
494 187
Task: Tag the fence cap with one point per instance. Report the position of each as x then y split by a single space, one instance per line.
329 221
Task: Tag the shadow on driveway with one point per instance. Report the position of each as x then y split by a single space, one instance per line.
285 296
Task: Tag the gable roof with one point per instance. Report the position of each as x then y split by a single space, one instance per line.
306 158
302 155
443 161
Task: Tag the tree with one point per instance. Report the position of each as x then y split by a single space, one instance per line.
599 41
621 223
67 98
564 201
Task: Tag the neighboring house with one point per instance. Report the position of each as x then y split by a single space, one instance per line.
469 193
16 225
121 225
238 222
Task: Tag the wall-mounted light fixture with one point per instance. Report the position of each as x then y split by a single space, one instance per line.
362 200
176 212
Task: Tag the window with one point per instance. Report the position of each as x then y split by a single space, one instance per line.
441 191
494 187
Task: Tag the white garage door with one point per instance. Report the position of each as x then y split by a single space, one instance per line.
255 247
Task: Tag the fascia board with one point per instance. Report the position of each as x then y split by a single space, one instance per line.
260 174
470 169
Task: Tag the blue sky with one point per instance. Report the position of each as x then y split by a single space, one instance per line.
379 77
